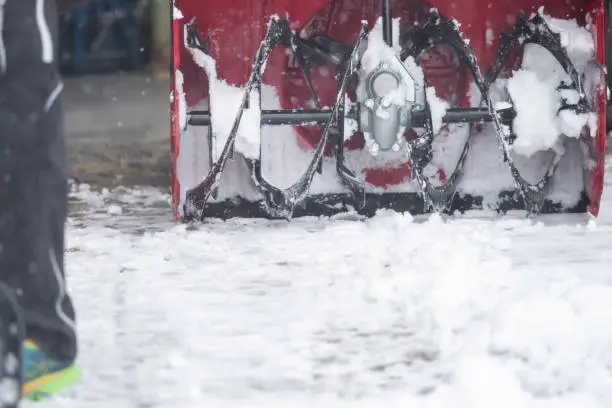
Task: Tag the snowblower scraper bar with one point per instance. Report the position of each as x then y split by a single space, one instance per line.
285 203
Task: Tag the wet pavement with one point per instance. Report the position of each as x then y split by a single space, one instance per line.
117 129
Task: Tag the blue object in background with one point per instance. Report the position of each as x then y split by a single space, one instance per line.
103 36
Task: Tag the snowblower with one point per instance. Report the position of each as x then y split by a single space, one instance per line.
286 108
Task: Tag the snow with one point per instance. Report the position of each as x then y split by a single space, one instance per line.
225 100
377 50
114 209
489 36
176 12
533 90
577 40
468 311
536 103
437 106
182 101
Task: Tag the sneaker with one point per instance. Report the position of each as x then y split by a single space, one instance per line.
45 377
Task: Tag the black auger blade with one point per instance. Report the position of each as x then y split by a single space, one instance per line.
297 50
197 197
321 49
193 39
415 43
282 203
279 203
347 176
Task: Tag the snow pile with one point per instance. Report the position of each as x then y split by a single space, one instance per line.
391 311
534 91
536 102
528 337
577 41
117 201
95 198
225 101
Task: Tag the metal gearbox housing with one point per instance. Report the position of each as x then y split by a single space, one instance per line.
389 94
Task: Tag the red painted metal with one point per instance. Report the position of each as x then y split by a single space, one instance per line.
175 127
236 27
599 16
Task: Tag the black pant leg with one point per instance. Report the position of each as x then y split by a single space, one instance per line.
33 188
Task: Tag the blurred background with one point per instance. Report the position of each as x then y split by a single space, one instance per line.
115 56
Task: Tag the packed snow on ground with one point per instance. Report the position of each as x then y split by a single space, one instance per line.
472 311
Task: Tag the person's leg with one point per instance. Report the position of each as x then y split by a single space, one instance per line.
33 190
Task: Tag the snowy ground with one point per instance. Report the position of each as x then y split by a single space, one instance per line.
469 312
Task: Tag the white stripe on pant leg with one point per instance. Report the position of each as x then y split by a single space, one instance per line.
46 42
61 292
54 95
2 46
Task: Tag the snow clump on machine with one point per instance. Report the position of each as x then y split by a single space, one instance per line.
534 90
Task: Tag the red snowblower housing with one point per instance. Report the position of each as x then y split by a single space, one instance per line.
284 108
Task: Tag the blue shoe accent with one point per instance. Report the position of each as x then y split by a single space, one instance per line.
43 376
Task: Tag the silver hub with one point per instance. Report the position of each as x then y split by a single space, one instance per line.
388 94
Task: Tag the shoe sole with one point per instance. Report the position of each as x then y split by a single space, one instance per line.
51 384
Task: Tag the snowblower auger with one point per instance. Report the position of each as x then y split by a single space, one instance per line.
282 203
400 99
279 202
199 195
536 31
415 42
